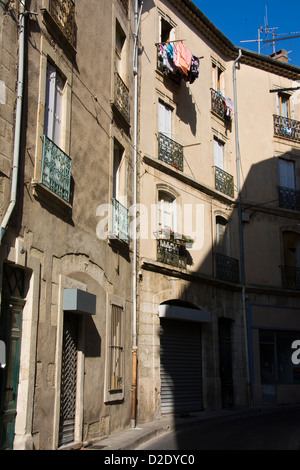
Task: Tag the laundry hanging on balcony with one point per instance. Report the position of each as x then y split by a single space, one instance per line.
177 59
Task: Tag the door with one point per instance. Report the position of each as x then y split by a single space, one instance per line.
68 379
10 333
180 366
225 357
268 368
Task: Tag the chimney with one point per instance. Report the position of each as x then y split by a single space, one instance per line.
280 55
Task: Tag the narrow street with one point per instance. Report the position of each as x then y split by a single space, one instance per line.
269 429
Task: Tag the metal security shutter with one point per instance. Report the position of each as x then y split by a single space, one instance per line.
180 366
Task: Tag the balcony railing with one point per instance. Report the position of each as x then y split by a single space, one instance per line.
217 103
121 99
172 252
286 127
120 221
170 152
56 169
224 182
289 198
63 13
290 276
227 269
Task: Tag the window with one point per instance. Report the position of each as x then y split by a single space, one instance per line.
167 211
222 236
290 271
120 219
54 106
219 154
164 119
167 30
115 344
116 349
287 174
283 105
217 78
120 50
289 197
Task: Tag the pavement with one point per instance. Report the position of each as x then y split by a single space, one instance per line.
133 437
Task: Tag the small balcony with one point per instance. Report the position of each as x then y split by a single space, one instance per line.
56 169
63 13
221 106
170 151
172 252
120 221
224 182
121 98
227 269
287 128
290 276
289 198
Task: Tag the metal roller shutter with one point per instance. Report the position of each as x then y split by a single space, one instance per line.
180 366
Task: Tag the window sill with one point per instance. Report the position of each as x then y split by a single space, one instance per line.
49 199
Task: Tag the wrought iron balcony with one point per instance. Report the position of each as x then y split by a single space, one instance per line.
290 276
224 182
286 127
217 103
227 269
63 13
120 221
121 99
56 169
289 198
172 251
170 151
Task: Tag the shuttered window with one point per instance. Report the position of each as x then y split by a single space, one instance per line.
116 349
54 105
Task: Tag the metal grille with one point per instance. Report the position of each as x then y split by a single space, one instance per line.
227 269
68 378
289 198
122 97
290 277
224 182
217 103
286 127
13 281
116 349
170 152
63 12
172 252
56 169
120 221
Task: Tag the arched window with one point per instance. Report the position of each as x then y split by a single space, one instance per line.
166 215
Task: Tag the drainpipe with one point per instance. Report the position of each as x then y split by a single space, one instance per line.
18 122
137 15
241 239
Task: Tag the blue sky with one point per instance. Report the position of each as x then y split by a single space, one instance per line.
240 20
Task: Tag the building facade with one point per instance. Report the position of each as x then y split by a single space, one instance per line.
66 256
108 319
215 316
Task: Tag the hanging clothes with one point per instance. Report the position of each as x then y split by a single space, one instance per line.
194 70
229 107
167 60
182 57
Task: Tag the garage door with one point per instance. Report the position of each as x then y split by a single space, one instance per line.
180 366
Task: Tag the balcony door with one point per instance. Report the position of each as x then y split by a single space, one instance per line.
287 174
164 119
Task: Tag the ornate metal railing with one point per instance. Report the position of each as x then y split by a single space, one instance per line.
289 198
56 169
172 252
227 269
224 182
170 151
120 221
121 100
286 127
290 276
218 103
63 13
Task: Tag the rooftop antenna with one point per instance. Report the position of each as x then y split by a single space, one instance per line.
268 29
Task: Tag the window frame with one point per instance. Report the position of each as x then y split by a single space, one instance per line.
111 395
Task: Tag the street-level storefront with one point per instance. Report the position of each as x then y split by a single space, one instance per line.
181 358
275 376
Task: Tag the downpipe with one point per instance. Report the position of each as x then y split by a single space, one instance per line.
241 238
18 123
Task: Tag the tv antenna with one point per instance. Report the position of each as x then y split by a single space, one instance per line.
275 37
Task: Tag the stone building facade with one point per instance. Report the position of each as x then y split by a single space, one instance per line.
66 257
